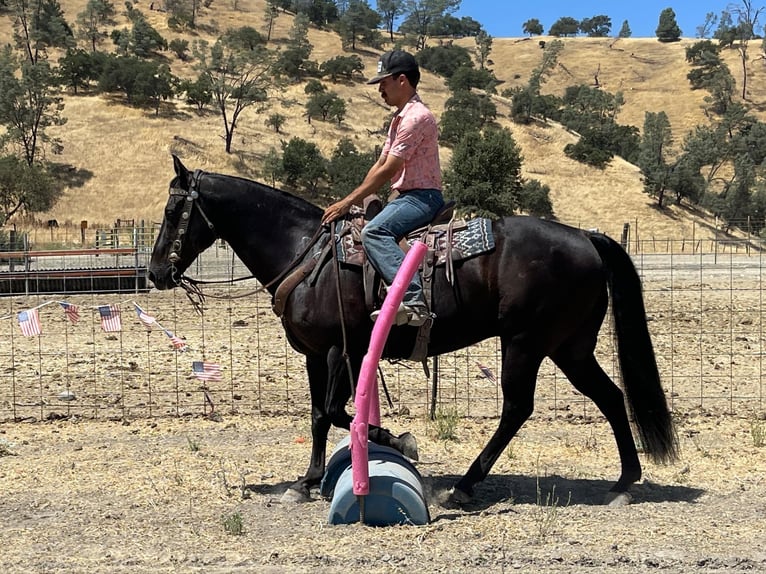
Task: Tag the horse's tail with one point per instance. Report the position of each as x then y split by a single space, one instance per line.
640 376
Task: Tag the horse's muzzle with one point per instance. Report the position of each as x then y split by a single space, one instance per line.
163 279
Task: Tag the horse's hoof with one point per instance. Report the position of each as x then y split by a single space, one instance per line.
294 495
617 499
409 446
458 498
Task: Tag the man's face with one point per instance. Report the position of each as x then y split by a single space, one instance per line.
392 89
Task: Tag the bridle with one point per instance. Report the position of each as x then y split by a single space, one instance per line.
194 292
190 195
192 286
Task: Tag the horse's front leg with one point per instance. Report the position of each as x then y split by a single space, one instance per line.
316 367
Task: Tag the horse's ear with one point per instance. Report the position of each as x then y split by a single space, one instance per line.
181 172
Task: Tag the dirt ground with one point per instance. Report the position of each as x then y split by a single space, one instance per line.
153 496
163 493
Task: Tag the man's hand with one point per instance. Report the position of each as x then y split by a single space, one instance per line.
336 210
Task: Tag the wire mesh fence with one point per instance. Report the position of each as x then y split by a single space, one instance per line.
705 311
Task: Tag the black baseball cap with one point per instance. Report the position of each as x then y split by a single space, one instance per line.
395 62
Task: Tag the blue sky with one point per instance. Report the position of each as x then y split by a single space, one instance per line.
505 18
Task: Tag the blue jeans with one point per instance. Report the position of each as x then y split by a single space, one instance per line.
380 237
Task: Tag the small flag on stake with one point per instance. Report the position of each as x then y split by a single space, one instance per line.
29 321
206 371
178 343
72 312
147 320
487 373
110 318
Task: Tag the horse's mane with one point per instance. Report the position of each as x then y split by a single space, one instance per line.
295 203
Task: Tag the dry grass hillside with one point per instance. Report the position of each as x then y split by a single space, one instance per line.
125 152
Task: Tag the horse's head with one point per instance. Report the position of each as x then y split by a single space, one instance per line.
186 230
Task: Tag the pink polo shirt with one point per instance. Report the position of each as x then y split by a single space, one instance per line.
413 137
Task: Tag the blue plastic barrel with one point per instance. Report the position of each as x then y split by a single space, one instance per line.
396 489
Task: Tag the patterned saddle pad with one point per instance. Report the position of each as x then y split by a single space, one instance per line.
459 240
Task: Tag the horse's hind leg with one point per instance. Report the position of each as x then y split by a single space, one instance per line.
519 374
589 378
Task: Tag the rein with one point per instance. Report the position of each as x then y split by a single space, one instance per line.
190 285
197 298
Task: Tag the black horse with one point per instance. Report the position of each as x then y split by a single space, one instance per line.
543 289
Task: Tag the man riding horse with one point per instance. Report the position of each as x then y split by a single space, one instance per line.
410 161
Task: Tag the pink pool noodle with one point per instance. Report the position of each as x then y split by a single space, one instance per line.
366 401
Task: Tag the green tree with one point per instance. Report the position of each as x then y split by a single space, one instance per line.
239 79
625 31
25 188
182 13
654 150
747 15
420 15
449 26
276 121
39 25
390 10
245 38
726 32
29 105
270 15
303 164
527 100
592 113
318 12
271 168
75 69
326 105
144 83
667 29
93 22
357 21
711 73
597 26
142 40
199 92
314 86
758 212
483 47
347 167
466 78
465 112
444 60
342 66
180 47
737 196
535 199
532 27
293 59
565 26
707 146
593 147
685 181
703 31
484 174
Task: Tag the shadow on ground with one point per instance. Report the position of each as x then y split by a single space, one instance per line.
559 490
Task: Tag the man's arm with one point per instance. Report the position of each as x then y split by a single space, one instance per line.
380 172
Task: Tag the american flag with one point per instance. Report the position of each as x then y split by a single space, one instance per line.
206 371
489 375
29 321
178 342
147 320
71 311
110 318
